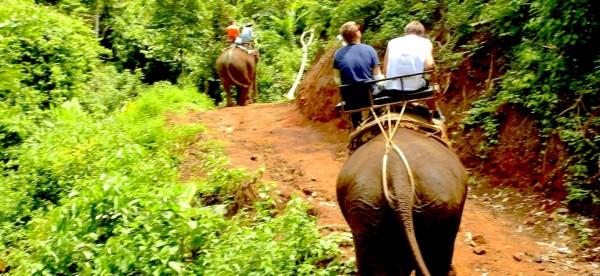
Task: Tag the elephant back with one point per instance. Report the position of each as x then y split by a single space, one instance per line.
414 119
236 65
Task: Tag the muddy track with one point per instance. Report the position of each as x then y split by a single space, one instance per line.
304 157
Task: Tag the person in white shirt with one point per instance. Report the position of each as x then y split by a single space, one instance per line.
411 53
408 54
246 35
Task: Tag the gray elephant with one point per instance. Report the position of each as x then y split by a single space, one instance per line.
414 227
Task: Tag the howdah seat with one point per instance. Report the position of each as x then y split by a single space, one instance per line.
362 96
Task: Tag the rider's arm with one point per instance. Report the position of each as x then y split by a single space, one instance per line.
336 76
377 72
429 62
377 69
385 60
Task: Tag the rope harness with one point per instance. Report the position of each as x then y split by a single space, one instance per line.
389 144
388 125
229 56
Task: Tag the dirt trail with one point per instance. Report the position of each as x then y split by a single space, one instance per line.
305 157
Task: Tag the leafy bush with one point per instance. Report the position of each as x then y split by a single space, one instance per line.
272 246
553 73
277 77
45 58
102 196
107 90
166 39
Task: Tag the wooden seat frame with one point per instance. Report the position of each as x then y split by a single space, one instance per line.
359 96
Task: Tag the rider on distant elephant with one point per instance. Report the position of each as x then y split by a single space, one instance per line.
246 35
233 31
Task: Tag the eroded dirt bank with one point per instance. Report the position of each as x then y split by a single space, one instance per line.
304 157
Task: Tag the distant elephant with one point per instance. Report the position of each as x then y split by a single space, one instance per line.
396 234
237 68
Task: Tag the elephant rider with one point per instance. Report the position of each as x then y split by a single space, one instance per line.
410 54
355 62
246 36
233 31
246 40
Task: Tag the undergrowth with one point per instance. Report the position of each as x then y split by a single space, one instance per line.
104 196
552 74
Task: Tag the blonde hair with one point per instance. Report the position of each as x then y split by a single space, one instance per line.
414 27
348 31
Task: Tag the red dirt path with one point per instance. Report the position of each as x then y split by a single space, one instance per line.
304 157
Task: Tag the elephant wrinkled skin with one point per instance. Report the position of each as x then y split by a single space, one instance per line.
430 218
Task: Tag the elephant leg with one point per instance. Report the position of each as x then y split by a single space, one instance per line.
382 253
242 95
227 87
437 244
251 98
380 246
254 88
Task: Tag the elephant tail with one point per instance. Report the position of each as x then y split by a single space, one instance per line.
400 197
227 64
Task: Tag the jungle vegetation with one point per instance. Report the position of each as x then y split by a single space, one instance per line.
89 178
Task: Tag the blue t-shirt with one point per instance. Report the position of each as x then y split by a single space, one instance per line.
355 62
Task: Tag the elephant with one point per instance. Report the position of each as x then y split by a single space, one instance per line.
236 67
415 225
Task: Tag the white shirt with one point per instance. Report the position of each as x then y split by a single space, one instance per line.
246 34
406 55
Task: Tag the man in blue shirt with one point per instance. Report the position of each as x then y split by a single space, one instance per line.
355 62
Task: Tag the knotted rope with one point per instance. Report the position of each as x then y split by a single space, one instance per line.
389 143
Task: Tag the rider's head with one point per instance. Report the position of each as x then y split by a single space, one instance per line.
414 27
350 31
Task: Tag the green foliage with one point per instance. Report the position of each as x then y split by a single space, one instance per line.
102 195
580 225
258 249
46 58
164 38
553 74
483 114
221 183
75 147
108 89
277 77
455 29
362 11
395 15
